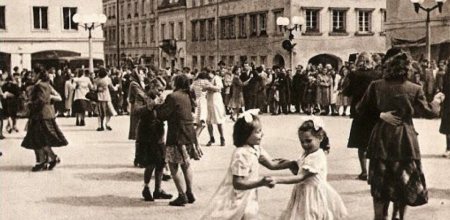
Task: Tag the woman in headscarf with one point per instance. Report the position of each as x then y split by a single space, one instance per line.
136 97
181 143
362 126
395 170
43 133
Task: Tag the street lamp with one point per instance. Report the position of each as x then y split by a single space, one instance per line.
297 23
88 22
417 7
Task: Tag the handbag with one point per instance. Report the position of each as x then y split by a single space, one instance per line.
91 95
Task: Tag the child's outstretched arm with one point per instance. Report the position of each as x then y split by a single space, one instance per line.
304 174
275 164
240 183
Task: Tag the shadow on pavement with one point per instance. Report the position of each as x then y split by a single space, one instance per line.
439 193
120 176
356 193
340 177
99 166
16 168
104 201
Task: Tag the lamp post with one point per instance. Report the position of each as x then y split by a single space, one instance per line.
89 21
297 23
417 7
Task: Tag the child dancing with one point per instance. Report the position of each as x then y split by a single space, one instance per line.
312 197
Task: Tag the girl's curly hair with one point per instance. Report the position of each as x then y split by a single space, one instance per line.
396 66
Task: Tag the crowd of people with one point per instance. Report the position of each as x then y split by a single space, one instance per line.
382 94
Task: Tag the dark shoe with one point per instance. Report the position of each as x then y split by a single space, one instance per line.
82 123
161 195
100 129
15 129
211 141
147 195
190 197
181 200
2 137
222 141
334 114
9 130
362 176
39 167
108 128
53 163
166 177
77 123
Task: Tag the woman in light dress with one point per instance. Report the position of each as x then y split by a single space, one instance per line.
216 108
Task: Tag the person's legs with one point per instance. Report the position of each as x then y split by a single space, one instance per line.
147 177
177 179
107 119
448 141
222 139
362 163
380 209
100 123
1 125
159 193
211 135
14 123
82 116
136 154
402 210
188 178
200 128
41 160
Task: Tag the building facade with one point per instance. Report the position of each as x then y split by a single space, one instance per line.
137 34
201 33
31 31
246 31
407 29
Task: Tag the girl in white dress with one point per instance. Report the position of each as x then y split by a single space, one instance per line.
237 197
312 197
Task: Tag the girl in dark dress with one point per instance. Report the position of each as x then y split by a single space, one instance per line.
11 102
445 123
43 133
395 170
149 137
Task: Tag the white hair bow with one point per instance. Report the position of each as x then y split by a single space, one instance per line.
318 122
247 115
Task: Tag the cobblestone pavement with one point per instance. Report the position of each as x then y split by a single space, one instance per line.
96 178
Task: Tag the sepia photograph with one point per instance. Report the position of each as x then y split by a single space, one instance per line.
225 109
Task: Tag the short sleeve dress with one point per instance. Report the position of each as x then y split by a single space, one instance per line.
216 107
229 203
314 198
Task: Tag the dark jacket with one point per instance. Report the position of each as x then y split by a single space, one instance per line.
41 107
150 129
177 111
389 142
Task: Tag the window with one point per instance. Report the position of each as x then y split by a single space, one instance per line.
202 62
151 5
106 34
121 11
231 60
152 33
263 60
181 25
383 20
182 62
144 37
129 9
194 31
312 20
40 17
276 15
136 9
129 35
253 25
113 34
202 30
172 30
231 26
211 61
163 30
364 21
263 24
223 58
113 11
136 35
122 35
242 26
193 3
211 30
254 59
68 22
339 21
194 61
202 2
143 7
223 28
